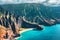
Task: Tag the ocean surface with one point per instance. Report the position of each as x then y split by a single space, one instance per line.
48 33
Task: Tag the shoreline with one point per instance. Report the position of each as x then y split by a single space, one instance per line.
22 31
26 29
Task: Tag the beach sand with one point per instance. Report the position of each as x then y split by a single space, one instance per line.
24 30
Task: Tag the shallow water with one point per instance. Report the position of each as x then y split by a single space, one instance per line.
48 33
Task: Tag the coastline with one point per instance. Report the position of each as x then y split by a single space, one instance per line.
26 29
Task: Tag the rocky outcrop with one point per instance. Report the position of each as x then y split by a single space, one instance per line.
26 24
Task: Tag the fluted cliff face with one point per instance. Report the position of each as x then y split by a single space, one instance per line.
33 12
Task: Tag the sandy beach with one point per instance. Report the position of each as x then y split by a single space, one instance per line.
26 29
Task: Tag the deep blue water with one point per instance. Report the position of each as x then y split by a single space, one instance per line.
48 33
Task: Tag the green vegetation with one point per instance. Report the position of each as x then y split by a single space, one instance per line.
34 9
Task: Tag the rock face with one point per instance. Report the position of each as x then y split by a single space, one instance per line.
26 24
34 12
